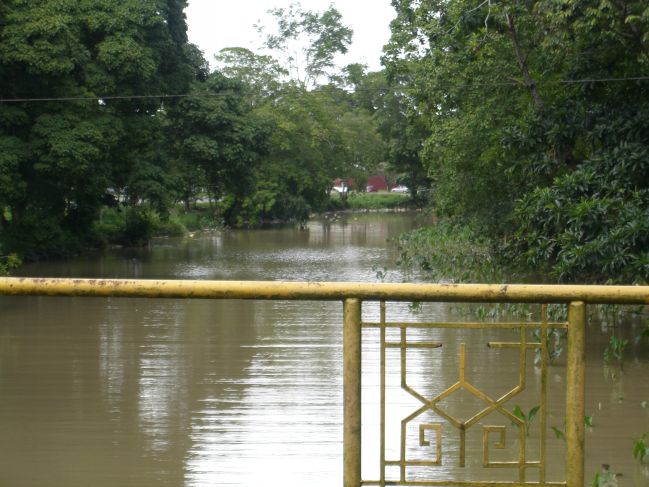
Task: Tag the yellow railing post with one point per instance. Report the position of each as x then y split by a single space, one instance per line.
575 394
353 294
352 393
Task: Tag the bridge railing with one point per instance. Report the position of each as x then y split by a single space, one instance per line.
352 296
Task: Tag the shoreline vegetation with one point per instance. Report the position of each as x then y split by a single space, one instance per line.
458 252
135 226
524 129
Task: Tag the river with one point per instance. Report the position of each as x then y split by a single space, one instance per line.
134 392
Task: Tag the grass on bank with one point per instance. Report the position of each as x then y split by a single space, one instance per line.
370 201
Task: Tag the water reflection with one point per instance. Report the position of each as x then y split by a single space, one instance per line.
287 420
131 392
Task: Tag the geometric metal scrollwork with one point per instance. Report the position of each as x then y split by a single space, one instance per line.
437 428
490 404
500 444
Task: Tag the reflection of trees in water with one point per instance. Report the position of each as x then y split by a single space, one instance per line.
178 357
286 398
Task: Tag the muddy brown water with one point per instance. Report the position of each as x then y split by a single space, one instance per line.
133 392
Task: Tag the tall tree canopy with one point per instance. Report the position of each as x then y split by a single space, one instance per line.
307 42
319 132
61 157
538 114
217 134
86 120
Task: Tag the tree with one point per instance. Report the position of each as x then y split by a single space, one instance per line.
306 152
549 157
260 74
216 134
398 120
317 135
307 42
63 156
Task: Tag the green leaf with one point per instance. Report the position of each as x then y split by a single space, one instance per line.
641 448
518 412
560 434
533 413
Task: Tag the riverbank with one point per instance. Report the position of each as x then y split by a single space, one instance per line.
134 226
371 201
460 252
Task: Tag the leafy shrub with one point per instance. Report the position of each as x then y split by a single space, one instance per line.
9 262
590 224
139 225
198 220
130 226
641 448
172 227
448 251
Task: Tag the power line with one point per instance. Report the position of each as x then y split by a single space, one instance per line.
99 99
597 80
553 82
110 97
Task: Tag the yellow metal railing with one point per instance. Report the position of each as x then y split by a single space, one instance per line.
352 295
574 327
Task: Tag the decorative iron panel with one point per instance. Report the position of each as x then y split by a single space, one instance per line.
494 437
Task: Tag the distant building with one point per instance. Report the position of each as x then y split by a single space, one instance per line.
379 183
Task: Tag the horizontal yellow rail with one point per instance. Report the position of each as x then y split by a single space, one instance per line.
353 294
478 293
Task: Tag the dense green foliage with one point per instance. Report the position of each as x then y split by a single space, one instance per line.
451 253
60 161
95 148
539 126
377 201
218 141
317 132
399 122
525 121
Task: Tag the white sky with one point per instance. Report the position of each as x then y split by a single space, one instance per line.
215 24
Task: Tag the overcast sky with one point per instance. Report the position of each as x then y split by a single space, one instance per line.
215 24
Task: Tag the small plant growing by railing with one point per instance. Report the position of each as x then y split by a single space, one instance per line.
381 273
604 478
561 433
526 418
641 448
615 349
554 344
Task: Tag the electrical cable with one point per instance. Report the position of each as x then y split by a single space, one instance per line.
100 99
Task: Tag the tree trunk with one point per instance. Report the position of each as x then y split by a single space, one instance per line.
522 64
